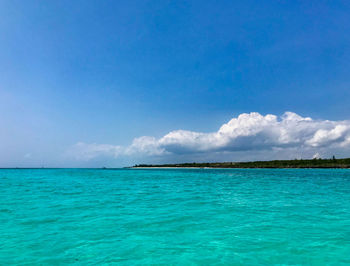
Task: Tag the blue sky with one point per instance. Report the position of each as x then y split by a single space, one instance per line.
109 72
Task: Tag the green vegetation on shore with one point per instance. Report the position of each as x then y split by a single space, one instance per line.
297 163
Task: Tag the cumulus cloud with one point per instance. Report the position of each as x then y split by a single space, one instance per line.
251 132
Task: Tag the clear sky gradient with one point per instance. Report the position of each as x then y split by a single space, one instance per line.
107 72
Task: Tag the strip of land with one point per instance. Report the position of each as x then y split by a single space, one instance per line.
297 163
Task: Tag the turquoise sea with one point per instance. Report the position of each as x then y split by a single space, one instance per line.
174 217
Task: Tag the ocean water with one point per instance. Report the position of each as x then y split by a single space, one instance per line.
175 217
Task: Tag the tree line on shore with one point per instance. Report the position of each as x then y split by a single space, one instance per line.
296 163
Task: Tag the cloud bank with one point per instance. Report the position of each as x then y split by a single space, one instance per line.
248 134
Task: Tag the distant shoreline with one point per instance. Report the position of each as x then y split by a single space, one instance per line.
275 164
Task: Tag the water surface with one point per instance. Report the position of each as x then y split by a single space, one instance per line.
175 216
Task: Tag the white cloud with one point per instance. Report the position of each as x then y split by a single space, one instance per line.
251 132
144 145
316 156
324 137
87 151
